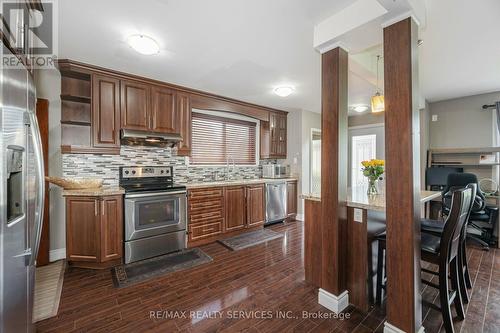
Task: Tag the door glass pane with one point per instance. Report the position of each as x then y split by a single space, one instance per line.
364 147
157 212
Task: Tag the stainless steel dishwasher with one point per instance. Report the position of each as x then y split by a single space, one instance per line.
275 202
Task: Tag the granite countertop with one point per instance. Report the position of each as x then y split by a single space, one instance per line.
310 196
238 182
357 198
95 192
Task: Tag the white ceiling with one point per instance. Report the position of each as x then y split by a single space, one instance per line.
237 48
460 55
243 49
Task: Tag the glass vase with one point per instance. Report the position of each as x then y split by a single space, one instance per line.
372 187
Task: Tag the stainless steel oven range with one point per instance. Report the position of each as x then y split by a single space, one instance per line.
155 212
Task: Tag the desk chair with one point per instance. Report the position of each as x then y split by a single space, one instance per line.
483 218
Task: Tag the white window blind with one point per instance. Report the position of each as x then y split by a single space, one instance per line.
216 139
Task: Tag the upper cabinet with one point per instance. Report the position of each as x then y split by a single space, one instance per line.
105 112
148 107
183 123
135 105
96 103
163 115
273 136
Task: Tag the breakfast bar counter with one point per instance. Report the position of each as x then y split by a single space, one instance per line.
365 217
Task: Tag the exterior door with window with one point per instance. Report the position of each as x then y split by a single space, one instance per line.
365 142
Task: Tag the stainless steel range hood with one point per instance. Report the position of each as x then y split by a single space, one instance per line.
146 138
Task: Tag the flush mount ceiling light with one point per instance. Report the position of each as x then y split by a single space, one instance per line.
360 108
143 44
284 91
378 101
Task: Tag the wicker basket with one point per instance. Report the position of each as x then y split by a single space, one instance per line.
75 183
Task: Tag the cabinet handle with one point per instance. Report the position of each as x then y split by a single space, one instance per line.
103 207
95 208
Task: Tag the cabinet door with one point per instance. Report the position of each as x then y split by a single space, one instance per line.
265 140
256 211
291 205
163 115
235 208
82 229
281 136
106 111
135 101
111 228
183 123
273 124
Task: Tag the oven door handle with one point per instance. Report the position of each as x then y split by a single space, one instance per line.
155 194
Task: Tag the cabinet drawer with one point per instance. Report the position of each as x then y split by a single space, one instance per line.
205 193
207 230
205 205
204 216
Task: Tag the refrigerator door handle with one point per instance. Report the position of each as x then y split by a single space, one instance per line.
40 199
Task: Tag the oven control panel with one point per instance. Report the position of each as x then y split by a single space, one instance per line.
143 172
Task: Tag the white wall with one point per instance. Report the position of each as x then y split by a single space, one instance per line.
462 122
48 83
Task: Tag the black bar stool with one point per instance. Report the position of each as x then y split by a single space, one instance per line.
443 252
436 228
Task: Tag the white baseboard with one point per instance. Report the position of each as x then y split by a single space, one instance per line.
57 254
332 302
300 217
388 328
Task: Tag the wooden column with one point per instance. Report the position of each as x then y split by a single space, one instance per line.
402 141
334 178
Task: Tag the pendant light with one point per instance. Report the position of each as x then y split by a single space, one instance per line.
378 103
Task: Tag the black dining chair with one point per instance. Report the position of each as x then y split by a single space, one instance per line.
443 252
436 228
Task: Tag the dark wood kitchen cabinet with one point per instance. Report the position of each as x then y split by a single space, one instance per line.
94 231
205 214
163 115
97 102
135 105
273 136
220 212
183 123
148 107
235 207
291 189
106 112
256 205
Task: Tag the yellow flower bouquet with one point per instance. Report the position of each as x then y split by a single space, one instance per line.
373 170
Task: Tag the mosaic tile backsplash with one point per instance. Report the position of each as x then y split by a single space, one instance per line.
106 166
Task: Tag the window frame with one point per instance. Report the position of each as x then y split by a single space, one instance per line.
234 116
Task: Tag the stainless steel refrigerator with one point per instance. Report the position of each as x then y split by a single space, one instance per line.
21 197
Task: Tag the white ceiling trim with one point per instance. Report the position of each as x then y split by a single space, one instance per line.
332 29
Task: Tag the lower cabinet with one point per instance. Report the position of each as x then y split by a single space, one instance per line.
235 208
94 231
205 214
291 206
256 205
216 211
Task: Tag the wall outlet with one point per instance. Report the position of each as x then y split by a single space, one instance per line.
434 117
358 215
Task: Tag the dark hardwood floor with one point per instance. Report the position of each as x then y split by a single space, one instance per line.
261 281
